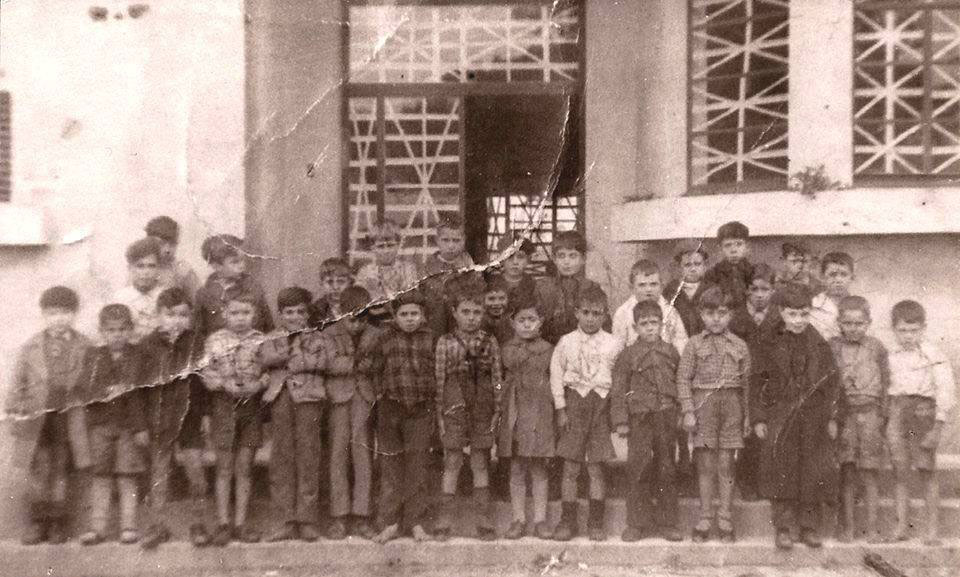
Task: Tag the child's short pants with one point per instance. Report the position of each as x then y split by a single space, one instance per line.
861 440
587 438
911 418
234 422
114 452
719 415
461 428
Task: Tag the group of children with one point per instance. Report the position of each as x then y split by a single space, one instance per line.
769 376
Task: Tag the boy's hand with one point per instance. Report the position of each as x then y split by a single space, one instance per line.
931 439
623 430
760 429
142 438
562 421
689 422
495 421
832 429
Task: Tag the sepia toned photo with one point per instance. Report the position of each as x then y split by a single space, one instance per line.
480 287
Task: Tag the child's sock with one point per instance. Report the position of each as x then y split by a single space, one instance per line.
127 488
101 492
518 489
596 514
539 481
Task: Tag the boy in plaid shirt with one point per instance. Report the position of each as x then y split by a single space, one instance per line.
402 367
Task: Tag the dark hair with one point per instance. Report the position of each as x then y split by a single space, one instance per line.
60 297
293 296
908 312
469 293
793 247
245 297
840 258
164 228
496 283
645 309
569 239
524 302
645 267
763 271
148 246
687 246
450 221
219 247
592 295
116 312
411 297
854 303
173 297
733 229
354 298
794 295
713 298
335 266
510 237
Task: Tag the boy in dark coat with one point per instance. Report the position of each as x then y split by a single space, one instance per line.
682 292
794 393
559 295
734 271
496 303
230 278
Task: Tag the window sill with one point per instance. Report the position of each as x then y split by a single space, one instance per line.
856 211
22 226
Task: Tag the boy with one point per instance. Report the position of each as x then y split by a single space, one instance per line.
402 367
292 357
527 432
176 401
173 272
711 387
232 373
646 285
580 379
865 378
754 322
442 266
229 278
795 255
683 292
732 273
389 273
643 408
520 284
116 420
335 277
140 296
46 434
794 391
496 300
470 383
351 396
837 271
921 395
559 294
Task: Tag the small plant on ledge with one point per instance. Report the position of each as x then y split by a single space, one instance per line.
813 179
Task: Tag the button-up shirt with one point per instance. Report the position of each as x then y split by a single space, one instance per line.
823 316
232 364
458 352
402 366
583 363
671 330
143 306
923 371
712 361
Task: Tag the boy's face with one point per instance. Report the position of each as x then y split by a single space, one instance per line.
515 265
334 284
385 249
648 329
569 261
647 287
793 264
733 249
409 317
295 318
495 303
837 278
116 334
692 266
853 325
527 323
354 324
795 320
144 272
238 316
909 335
590 317
167 250
716 320
759 293
58 319
468 315
176 319
232 267
450 242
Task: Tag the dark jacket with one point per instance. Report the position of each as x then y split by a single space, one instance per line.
213 296
733 278
686 306
112 389
171 371
558 296
644 380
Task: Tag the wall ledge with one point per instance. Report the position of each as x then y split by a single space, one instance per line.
22 225
856 211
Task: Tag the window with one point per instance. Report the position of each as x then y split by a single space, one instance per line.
6 146
906 89
737 95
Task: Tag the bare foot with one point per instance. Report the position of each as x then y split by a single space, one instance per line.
419 534
846 536
389 533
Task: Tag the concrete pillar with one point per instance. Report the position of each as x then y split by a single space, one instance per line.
821 87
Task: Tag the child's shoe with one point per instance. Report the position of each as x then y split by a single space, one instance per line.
485 512
56 532
129 536
632 535
542 531
155 536
595 517
810 538
222 536
309 532
198 535
567 529
363 529
726 532
35 534
442 528
337 530
420 534
671 534
91 538
246 534
701 533
287 532
515 531
783 540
